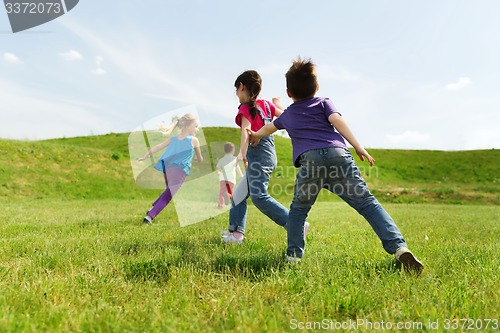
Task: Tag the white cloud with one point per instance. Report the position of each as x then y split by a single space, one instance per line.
338 73
483 139
39 114
99 70
11 58
149 73
460 84
408 138
275 68
71 55
99 60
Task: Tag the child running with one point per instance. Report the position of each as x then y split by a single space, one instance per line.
176 161
318 131
252 114
226 168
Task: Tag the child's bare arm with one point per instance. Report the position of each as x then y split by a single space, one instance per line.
239 170
155 149
341 125
267 129
245 127
197 149
279 108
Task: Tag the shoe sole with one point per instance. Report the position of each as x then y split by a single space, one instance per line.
238 242
410 263
292 260
232 240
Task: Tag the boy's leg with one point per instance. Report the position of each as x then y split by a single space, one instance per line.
306 190
351 187
222 191
229 188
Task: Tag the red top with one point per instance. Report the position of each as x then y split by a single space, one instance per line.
257 123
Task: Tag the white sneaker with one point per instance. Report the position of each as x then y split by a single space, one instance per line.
408 259
225 233
292 260
147 219
231 239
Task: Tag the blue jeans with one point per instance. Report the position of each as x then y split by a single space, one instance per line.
335 170
261 163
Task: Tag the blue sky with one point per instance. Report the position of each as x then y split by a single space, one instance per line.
404 74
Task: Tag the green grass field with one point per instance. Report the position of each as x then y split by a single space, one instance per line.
90 266
75 257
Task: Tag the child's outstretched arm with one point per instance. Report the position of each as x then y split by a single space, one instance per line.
341 125
279 108
255 137
154 150
197 149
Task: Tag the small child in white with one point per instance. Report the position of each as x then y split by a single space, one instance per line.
227 168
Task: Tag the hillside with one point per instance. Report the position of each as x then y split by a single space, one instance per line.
98 167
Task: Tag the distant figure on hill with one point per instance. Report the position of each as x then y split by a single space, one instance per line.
176 161
227 168
318 131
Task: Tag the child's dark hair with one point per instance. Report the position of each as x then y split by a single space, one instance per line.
253 84
228 147
301 80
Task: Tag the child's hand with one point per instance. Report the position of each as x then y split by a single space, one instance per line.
240 157
141 159
277 103
362 153
253 138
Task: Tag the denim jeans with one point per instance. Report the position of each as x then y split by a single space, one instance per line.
261 163
335 170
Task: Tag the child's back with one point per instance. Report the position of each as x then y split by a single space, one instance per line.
306 122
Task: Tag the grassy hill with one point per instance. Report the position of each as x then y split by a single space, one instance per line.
98 167
81 260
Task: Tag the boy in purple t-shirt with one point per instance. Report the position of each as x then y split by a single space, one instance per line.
317 131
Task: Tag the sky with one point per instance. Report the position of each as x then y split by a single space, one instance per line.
404 74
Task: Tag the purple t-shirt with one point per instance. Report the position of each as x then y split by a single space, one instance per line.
306 121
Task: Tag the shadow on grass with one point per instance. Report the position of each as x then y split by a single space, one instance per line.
153 261
378 267
253 260
149 270
134 248
148 261
253 267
